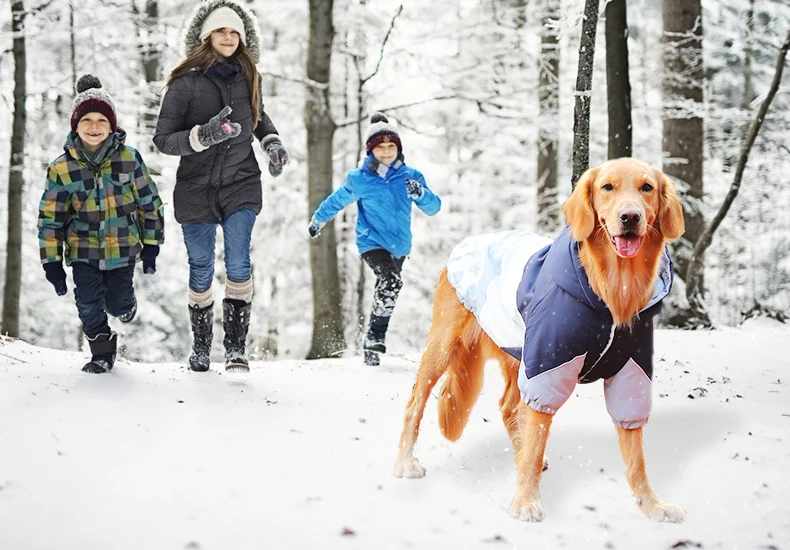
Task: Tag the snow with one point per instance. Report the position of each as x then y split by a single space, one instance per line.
299 454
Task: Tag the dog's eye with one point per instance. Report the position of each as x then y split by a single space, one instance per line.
646 188
607 187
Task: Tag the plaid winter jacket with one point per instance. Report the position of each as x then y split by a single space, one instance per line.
103 214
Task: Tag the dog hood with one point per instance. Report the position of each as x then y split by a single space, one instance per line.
568 273
190 34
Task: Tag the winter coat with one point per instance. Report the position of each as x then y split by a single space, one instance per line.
101 214
384 218
518 283
218 181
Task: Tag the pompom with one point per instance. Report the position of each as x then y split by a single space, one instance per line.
378 117
86 82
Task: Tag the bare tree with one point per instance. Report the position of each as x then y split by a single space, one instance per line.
618 83
13 273
549 109
694 273
682 115
150 60
583 92
328 338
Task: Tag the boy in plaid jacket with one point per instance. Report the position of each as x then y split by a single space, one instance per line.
100 209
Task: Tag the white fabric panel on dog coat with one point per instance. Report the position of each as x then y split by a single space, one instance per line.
485 271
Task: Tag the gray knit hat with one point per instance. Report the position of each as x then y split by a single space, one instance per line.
92 98
379 129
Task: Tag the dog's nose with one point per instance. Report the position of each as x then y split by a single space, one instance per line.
630 218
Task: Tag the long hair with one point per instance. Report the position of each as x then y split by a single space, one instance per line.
204 56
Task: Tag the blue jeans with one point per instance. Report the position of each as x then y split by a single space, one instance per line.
200 239
98 293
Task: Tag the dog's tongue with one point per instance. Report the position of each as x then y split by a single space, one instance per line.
627 245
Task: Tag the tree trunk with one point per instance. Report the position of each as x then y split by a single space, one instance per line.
682 116
549 110
151 60
13 273
618 83
694 274
328 339
583 93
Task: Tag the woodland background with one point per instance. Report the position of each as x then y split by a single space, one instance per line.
483 93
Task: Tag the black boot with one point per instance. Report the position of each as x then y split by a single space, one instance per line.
236 320
103 348
202 319
129 317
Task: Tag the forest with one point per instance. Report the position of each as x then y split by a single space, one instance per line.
500 104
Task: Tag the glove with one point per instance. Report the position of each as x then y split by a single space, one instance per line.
278 156
57 276
414 189
218 129
314 229
148 255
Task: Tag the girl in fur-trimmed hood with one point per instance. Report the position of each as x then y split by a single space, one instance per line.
210 113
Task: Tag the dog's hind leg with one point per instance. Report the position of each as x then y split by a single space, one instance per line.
450 318
534 427
635 472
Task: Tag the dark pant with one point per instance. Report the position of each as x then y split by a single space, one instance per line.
388 284
101 292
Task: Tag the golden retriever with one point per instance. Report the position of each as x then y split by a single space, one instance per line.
620 215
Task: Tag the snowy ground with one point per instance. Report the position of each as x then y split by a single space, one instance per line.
299 454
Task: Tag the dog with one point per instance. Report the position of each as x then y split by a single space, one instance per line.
581 307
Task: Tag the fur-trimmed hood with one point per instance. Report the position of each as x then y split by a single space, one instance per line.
190 34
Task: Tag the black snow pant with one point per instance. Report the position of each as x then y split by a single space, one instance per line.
99 292
388 284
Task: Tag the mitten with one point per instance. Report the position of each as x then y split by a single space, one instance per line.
57 276
218 129
148 255
278 156
414 189
314 229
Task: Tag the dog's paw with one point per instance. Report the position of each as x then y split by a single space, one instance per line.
664 511
531 511
546 463
410 468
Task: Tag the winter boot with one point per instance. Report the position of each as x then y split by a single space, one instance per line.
377 332
236 320
372 359
103 348
202 319
128 317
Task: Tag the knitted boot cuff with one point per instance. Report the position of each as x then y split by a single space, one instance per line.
239 291
200 299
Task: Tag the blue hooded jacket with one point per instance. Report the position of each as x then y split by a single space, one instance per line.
384 219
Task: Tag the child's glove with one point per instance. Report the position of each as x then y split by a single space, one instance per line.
314 229
218 129
414 189
148 255
278 156
57 276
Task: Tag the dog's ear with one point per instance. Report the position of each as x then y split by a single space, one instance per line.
578 209
670 212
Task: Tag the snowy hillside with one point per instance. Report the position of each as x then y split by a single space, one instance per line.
298 454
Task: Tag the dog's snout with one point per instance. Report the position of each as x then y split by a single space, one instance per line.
630 218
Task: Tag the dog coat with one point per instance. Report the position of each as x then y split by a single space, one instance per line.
532 297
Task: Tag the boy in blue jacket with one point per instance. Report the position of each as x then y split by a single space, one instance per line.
385 188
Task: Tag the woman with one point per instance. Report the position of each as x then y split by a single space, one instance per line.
210 112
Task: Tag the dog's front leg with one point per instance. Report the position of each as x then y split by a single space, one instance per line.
534 427
634 456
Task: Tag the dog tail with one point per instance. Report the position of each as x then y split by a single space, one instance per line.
463 381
